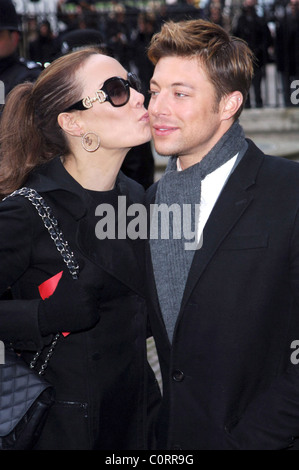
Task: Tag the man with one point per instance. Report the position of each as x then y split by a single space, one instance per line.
254 30
225 312
13 68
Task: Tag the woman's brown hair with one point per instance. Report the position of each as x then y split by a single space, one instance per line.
29 131
227 60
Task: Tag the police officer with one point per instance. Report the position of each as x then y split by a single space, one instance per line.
13 68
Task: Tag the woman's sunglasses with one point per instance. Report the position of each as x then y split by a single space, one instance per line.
116 90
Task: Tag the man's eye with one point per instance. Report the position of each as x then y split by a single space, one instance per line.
152 92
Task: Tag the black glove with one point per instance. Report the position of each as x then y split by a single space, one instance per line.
72 307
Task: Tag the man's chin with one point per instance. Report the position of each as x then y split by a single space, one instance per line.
163 152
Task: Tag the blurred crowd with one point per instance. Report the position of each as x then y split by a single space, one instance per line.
271 30
124 30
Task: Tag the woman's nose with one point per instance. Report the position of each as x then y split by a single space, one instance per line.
137 97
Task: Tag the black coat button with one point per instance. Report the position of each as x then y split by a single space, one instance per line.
178 375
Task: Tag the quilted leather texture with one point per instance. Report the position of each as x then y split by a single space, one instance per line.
19 387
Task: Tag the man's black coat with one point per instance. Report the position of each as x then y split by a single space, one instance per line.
230 377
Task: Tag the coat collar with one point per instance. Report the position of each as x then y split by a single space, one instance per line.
52 176
234 200
120 258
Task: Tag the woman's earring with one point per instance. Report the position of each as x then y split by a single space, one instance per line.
88 142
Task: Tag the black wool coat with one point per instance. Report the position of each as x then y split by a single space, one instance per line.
231 374
101 376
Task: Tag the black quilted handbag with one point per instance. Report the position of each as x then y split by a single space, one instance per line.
25 399
25 396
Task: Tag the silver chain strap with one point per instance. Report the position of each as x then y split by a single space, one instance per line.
51 224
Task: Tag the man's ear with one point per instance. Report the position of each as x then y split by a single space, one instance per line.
70 123
231 104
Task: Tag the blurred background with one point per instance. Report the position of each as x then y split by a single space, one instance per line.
271 28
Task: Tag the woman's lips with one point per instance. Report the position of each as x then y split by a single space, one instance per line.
145 117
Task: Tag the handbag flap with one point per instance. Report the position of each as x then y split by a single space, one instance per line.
19 388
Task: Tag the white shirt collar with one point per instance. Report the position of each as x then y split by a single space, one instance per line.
211 187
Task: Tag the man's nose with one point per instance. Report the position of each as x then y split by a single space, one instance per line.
158 105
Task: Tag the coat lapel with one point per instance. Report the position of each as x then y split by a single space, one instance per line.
122 258
232 203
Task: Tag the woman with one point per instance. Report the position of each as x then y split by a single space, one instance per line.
66 136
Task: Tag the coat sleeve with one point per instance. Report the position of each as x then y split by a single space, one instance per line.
18 318
271 421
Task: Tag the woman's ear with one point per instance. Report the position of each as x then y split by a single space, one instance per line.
231 105
70 123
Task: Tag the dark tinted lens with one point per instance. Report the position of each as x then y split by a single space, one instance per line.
134 81
117 91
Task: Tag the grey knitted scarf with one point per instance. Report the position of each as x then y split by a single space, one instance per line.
171 260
